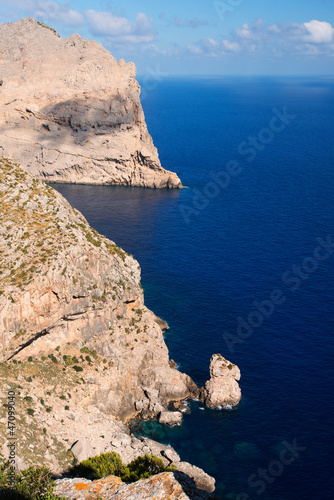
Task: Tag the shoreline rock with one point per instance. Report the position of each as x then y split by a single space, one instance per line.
170 418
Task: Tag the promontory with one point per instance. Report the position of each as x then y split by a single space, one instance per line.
70 113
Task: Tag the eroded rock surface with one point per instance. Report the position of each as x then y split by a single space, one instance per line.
222 389
69 112
168 485
170 418
77 344
78 347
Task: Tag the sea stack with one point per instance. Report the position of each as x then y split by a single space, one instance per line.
222 389
70 113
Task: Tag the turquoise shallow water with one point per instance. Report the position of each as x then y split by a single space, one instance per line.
254 236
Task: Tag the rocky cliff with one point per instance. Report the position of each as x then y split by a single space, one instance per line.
69 112
78 347
171 486
65 286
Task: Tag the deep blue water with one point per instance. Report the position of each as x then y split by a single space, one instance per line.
204 274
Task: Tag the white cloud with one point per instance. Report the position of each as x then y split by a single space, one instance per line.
212 48
319 32
120 28
194 50
49 10
312 38
254 31
153 50
231 46
289 37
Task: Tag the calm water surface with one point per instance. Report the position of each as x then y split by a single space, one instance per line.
203 273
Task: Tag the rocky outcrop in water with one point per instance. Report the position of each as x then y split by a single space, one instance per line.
222 389
69 112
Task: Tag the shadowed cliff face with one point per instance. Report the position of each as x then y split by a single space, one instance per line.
63 284
69 112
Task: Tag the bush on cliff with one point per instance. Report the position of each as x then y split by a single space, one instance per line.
33 483
108 464
146 466
36 483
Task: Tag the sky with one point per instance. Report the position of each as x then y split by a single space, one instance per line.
198 37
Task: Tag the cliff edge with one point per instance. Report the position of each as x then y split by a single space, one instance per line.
80 353
70 113
78 347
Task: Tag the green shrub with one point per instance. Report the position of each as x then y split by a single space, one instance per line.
77 368
53 358
108 464
32 483
86 350
68 360
90 238
145 466
100 466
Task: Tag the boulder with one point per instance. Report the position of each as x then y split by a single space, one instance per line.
202 480
170 418
171 455
82 449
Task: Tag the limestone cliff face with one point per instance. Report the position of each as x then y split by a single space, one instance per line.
69 112
64 287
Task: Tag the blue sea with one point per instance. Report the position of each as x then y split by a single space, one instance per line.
241 263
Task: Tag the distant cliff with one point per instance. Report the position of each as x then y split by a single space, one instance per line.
69 112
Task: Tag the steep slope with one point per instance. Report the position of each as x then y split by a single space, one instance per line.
64 285
78 348
69 112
